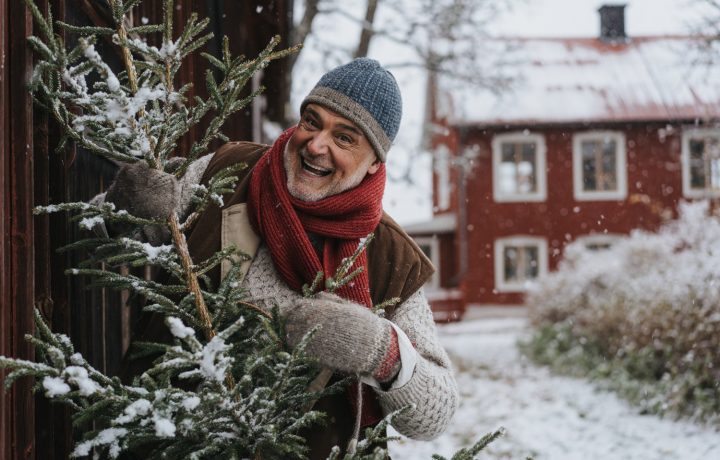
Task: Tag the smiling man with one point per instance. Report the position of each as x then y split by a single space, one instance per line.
304 205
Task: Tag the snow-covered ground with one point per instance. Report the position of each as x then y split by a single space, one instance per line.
546 416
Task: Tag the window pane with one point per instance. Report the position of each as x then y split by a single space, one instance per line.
526 169
521 263
712 150
508 151
510 257
714 174
704 163
697 164
531 268
599 165
507 178
589 168
517 168
598 246
609 159
507 170
526 177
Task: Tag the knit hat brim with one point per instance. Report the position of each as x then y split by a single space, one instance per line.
348 108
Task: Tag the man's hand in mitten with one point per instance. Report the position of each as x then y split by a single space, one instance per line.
351 338
144 192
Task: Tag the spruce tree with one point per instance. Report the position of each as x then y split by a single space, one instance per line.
228 386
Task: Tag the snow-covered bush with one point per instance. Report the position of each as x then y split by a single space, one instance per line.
645 313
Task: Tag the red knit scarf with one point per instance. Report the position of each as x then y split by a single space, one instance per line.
283 222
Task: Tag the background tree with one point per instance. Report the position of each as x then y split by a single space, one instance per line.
709 28
442 36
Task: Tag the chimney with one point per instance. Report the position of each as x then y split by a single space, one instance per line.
612 23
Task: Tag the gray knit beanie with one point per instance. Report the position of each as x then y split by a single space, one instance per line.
366 94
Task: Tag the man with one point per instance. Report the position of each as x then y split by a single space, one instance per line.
304 205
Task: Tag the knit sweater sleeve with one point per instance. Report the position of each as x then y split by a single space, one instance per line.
431 391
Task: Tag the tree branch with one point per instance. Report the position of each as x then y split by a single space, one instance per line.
178 237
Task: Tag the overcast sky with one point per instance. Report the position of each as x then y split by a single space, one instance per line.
579 18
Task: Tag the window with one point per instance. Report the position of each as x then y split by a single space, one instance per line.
598 242
519 167
599 171
429 245
519 260
701 162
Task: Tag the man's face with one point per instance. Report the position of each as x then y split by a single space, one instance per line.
326 155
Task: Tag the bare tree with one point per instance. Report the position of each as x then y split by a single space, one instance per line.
709 28
367 30
447 37
301 31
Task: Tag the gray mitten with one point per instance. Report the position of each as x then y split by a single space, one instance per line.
351 339
144 192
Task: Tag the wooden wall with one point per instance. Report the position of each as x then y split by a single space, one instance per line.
32 173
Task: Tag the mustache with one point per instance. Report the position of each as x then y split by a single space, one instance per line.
307 156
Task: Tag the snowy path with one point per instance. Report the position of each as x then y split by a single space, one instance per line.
546 416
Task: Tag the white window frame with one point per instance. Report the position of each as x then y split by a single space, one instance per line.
540 162
501 243
620 167
687 135
434 243
598 238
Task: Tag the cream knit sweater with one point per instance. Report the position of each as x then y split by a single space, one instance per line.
431 390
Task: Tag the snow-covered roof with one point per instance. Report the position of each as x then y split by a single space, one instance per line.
563 80
443 223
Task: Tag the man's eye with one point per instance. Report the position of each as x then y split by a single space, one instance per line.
344 138
310 122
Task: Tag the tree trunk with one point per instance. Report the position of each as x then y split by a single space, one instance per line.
300 33
367 30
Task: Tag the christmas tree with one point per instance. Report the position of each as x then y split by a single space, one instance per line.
228 386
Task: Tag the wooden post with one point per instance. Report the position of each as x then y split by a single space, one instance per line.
5 316
17 290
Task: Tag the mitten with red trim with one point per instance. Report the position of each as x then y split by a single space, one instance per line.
351 338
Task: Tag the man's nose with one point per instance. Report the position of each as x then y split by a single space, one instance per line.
320 143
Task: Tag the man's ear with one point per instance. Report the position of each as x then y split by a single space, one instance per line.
374 167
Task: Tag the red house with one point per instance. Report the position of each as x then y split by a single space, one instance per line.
592 138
